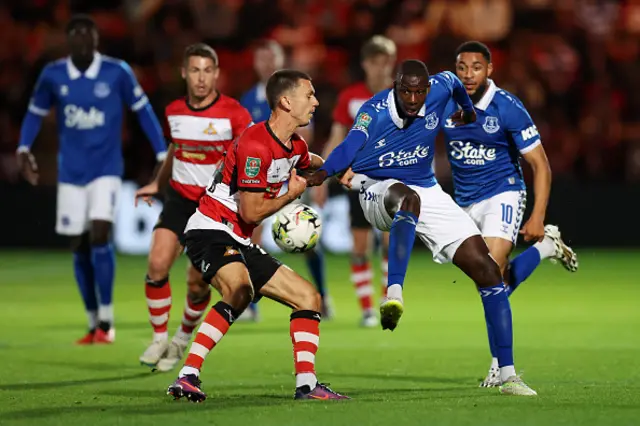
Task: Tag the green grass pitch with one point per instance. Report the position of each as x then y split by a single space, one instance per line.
577 339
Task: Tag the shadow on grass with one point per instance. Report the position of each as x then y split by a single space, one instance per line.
67 383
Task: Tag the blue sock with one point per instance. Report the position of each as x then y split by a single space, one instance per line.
83 270
522 267
104 268
497 311
492 339
253 307
315 263
401 238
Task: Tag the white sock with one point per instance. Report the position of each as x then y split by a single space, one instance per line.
546 248
506 372
306 379
105 313
188 370
160 337
394 291
92 317
494 363
181 337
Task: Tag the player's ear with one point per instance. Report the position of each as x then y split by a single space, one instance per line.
489 69
216 73
183 73
285 102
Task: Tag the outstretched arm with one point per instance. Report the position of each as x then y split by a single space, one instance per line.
537 159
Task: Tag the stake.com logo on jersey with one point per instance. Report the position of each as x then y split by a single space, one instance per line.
403 158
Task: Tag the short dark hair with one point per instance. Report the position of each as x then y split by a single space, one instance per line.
413 67
200 49
282 81
377 45
474 47
80 20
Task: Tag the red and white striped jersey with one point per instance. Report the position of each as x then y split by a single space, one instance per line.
200 137
258 162
350 99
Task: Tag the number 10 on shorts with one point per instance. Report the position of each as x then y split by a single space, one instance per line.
507 213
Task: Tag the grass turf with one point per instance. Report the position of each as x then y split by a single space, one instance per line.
577 337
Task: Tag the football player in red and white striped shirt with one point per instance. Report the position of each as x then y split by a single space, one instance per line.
258 179
378 59
200 127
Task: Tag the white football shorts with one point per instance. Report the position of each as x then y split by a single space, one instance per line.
499 216
442 225
79 205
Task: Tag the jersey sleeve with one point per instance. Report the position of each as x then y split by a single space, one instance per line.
131 91
454 86
241 121
42 97
365 121
341 110
521 127
305 159
252 161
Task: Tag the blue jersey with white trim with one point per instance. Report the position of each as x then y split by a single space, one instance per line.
404 149
255 101
89 114
485 155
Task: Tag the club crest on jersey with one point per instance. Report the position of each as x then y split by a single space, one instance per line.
252 166
101 89
432 121
210 130
491 125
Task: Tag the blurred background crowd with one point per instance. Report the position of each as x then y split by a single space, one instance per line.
574 63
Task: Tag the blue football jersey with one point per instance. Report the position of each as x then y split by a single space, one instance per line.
485 155
404 149
89 114
255 101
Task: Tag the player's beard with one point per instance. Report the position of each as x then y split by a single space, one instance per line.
479 93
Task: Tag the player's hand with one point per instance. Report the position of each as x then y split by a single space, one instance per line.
28 167
297 184
462 117
533 230
146 193
319 195
346 178
316 178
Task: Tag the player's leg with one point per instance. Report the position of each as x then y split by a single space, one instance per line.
282 284
473 258
316 265
361 271
103 196
71 220
393 206
384 264
198 298
219 258
253 313
165 248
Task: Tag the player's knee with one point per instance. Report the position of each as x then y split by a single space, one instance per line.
401 197
308 300
81 243
197 289
236 293
100 231
158 267
411 203
487 272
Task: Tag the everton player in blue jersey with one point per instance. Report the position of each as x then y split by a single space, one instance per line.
489 186
392 144
269 57
88 90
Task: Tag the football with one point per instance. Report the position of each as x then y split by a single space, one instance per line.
296 228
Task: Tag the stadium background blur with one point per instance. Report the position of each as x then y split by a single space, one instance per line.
572 62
